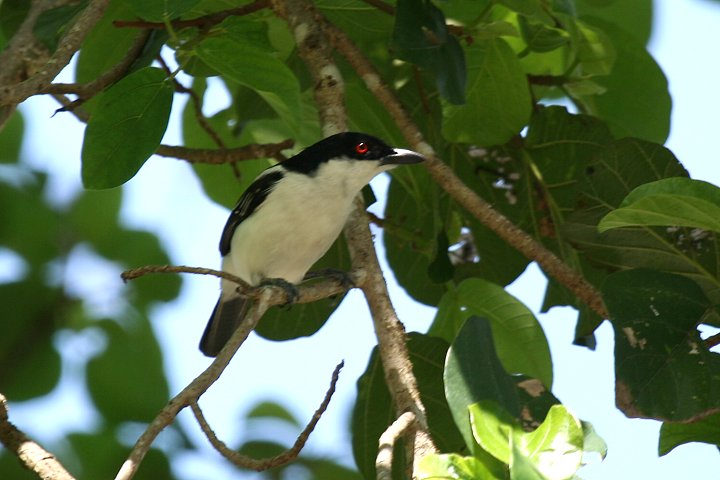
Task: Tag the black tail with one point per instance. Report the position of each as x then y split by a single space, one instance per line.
226 317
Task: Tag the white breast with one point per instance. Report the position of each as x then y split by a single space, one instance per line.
297 223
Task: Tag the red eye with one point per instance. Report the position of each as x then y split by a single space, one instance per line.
362 148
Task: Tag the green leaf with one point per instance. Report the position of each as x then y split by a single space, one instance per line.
552 451
679 202
251 64
106 44
452 467
634 17
518 337
373 411
51 25
126 381
421 36
11 138
12 13
706 430
637 102
126 128
663 369
498 97
534 9
474 373
541 38
273 410
158 11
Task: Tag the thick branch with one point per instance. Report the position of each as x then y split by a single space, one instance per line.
278 460
458 190
305 23
12 94
31 454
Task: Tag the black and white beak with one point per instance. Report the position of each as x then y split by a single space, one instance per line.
401 157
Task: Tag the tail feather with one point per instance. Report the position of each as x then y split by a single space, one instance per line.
226 317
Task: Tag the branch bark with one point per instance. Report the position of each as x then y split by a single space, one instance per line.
313 47
32 455
457 189
13 93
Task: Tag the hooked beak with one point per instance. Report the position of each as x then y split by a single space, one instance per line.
402 156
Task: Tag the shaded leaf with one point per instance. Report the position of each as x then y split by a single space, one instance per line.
474 373
517 335
11 137
421 36
159 11
663 369
498 102
452 467
126 381
126 128
706 430
52 24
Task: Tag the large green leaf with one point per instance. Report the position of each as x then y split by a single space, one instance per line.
373 411
636 102
663 369
52 24
518 337
498 102
679 202
634 17
706 430
473 373
126 381
246 61
553 451
126 128
421 36
451 466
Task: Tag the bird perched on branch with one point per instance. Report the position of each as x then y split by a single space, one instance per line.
290 216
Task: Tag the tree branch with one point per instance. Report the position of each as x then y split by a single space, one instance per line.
31 454
458 190
194 389
386 444
12 94
278 460
229 155
206 21
311 39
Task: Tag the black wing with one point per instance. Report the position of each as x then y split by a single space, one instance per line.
250 200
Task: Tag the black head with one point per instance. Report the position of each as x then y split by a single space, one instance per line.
351 146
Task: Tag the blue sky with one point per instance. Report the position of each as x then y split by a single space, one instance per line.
297 373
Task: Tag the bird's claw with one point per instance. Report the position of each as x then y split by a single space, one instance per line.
290 290
343 278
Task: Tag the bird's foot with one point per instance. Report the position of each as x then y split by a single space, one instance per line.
343 278
290 290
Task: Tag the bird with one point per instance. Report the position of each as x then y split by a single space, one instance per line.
289 217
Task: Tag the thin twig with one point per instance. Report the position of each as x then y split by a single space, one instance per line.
712 341
33 456
206 21
458 190
229 155
386 444
194 389
278 460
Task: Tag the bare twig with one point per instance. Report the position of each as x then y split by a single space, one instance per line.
306 25
33 456
386 444
12 94
194 389
229 155
87 90
307 293
278 460
206 21
458 190
712 341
